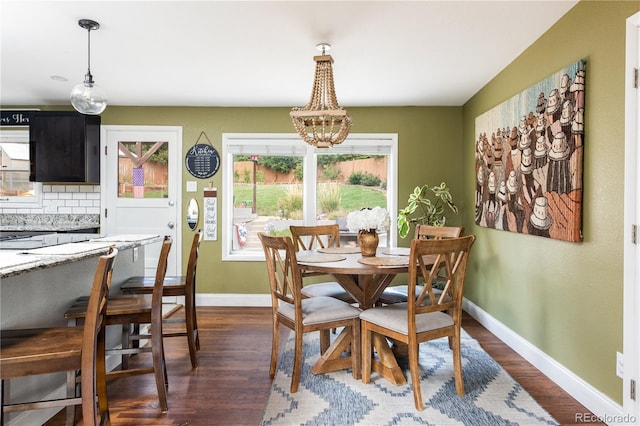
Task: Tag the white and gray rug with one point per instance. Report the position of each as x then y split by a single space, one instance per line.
492 396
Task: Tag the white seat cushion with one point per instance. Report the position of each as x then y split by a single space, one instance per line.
317 310
327 289
395 317
398 294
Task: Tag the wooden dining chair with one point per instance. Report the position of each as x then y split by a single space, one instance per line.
137 310
50 350
303 315
426 315
177 286
319 237
398 294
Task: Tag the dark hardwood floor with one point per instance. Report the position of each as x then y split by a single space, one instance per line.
231 384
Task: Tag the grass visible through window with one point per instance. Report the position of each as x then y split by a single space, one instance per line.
352 197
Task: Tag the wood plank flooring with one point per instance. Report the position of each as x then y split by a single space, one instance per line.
231 384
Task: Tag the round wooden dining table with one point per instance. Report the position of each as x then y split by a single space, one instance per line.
364 278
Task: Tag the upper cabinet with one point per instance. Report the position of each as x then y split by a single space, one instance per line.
64 147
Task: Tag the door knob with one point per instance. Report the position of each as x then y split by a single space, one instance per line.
172 203
170 225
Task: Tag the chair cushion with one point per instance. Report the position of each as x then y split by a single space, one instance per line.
317 310
327 289
394 317
398 294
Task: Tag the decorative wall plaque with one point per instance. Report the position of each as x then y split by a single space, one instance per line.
211 214
15 117
202 160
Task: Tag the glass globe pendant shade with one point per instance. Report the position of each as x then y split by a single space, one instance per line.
88 98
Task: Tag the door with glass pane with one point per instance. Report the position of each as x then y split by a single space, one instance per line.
141 187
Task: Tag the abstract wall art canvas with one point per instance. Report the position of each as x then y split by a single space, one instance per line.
528 159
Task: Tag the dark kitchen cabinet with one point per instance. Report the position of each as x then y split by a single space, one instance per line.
64 147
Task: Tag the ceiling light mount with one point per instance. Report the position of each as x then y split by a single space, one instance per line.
322 123
89 24
323 47
87 97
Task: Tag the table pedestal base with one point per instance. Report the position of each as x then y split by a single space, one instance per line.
385 364
333 360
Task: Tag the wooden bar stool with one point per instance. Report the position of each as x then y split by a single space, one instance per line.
130 310
51 350
184 286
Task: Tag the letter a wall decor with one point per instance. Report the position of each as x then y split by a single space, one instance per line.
528 159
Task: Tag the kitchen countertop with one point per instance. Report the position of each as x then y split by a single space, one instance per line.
48 222
16 262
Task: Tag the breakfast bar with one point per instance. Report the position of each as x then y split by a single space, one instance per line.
39 284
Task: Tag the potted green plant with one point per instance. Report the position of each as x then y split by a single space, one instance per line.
426 206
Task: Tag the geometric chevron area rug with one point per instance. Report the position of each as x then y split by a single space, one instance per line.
492 396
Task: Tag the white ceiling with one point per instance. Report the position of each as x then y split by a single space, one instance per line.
260 53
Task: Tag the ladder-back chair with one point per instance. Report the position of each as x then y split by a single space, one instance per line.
427 315
180 286
134 311
302 315
64 349
398 294
318 237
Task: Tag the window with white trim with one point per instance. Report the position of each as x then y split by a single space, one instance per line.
15 188
272 181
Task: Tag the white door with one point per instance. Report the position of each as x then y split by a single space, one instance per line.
140 190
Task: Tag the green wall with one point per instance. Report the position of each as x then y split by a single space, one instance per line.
564 298
429 142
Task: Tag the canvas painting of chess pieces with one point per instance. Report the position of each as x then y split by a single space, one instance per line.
529 156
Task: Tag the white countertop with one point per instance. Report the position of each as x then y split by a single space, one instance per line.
16 262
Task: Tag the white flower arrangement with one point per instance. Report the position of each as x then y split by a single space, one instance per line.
367 219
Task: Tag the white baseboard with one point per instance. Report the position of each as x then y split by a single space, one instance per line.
211 299
598 403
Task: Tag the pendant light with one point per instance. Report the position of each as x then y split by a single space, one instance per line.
87 97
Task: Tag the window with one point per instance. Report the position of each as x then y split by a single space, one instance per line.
143 169
274 180
15 188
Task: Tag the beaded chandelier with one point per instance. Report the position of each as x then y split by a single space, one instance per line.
322 123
